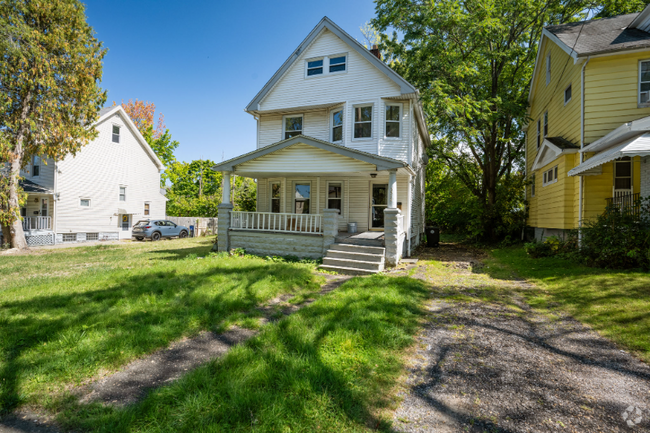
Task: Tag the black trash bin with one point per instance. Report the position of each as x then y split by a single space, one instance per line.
433 236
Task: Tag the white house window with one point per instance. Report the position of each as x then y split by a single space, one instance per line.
539 133
548 69
338 64
303 193
275 197
550 176
116 134
147 209
545 124
315 67
292 126
84 202
567 94
337 126
36 166
644 82
335 196
393 116
122 193
363 121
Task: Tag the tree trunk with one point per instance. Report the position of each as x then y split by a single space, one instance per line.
16 234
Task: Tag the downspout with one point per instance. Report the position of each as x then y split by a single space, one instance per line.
582 145
55 197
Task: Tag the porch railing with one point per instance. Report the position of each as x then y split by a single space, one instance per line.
37 223
626 203
277 222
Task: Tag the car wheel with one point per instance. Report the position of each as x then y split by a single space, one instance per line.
183 234
140 238
155 236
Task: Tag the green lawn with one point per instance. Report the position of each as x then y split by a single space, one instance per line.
615 303
67 314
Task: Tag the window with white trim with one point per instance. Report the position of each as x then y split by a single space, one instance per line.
335 196
302 197
548 69
337 126
315 67
550 176
275 197
567 94
644 82
84 202
36 166
147 209
545 124
116 134
338 63
322 66
393 117
623 174
363 121
292 125
122 193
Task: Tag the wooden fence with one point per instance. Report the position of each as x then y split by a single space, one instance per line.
202 226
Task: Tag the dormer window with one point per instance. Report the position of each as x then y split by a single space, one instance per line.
337 64
314 67
116 134
292 126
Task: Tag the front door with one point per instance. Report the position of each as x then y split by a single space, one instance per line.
44 202
622 177
126 223
378 202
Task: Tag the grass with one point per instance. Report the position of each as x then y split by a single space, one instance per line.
329 367
614 303
68 314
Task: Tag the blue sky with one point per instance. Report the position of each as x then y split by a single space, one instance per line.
201 62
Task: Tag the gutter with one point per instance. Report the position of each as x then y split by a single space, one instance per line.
582 145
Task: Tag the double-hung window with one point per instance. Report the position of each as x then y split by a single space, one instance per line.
275 197
545 124
36 166
567 94
315 67
147 209
122 193
393 116
337 126
116 134
292 126
323 66
363 121
539 133
335 196
338 64
644 83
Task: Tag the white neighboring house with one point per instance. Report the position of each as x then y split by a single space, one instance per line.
99 193
341 139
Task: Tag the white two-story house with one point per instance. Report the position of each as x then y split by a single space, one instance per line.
340 137
98 193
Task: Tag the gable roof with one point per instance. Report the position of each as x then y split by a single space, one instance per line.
106 112
381 162
551 149
326 23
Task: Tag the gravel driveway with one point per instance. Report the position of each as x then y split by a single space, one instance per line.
490 367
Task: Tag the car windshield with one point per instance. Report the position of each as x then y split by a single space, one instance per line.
141 223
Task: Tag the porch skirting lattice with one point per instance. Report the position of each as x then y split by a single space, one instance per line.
40 239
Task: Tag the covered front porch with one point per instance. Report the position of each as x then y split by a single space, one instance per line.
310 192
37 214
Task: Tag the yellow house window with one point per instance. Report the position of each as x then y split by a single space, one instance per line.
644 83
550 176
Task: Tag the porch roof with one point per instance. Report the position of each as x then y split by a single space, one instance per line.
29 186
638 146
344 159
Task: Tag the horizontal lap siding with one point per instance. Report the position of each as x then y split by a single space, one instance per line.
96 172
553 206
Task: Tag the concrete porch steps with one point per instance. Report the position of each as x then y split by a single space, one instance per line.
354 259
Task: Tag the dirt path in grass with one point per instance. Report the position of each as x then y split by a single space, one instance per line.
481 366
135 380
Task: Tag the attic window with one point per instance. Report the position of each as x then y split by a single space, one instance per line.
116 134
548 69
337 64
314 67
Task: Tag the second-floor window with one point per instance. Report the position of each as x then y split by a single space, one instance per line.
363 121
116 134
644 83
147 208
36 166
393 120
545 124
567 94
337 126
539 133
122 193
292 126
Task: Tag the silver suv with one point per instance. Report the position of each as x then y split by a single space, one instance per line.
156 229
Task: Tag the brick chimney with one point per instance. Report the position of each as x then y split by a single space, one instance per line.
375 51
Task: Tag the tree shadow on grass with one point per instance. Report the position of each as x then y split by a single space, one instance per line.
53 340
327 367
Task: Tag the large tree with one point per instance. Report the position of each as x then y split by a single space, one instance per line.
50 69
472 61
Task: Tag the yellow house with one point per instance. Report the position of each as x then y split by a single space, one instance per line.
588 139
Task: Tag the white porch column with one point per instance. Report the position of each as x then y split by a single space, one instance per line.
225 187
392 189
